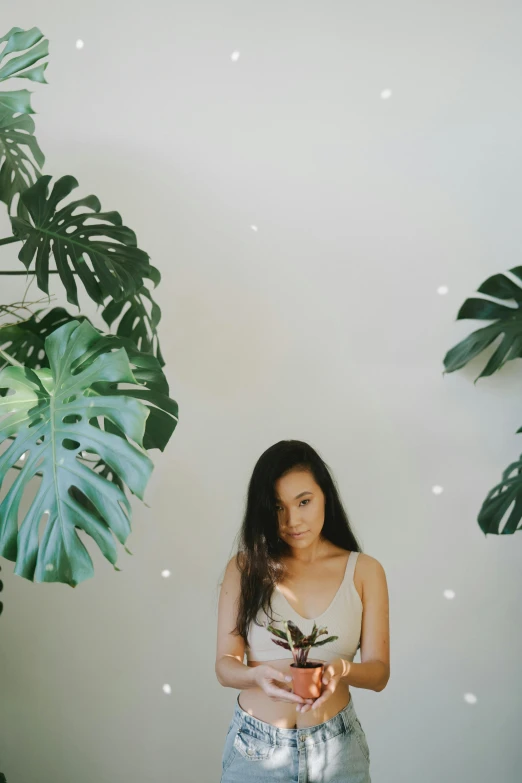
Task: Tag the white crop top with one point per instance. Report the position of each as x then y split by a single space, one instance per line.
343 618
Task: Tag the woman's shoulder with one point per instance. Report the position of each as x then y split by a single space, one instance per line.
369 569
364 561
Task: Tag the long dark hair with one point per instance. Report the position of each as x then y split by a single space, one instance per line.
260 550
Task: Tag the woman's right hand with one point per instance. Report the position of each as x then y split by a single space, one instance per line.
264 677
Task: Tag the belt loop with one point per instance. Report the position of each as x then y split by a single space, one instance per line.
344 719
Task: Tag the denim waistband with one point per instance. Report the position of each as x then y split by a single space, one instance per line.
278 736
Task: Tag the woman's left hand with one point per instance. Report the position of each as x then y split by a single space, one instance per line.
331 678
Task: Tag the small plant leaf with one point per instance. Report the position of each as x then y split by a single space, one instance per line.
281 643
276 632
325 641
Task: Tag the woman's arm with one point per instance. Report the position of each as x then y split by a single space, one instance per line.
372 675
374 670
231 673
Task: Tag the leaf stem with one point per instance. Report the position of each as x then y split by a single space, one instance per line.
8 240
10 359
28 272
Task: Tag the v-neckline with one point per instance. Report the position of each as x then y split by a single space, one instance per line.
314 619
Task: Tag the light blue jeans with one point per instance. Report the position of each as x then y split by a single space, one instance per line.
332 752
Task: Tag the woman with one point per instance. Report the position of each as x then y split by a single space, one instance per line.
298 559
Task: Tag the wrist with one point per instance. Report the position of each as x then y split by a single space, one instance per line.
341 667
254 674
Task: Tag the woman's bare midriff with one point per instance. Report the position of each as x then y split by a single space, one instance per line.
284 714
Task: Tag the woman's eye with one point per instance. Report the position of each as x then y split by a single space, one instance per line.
306 500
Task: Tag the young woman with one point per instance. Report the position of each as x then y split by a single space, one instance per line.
299 560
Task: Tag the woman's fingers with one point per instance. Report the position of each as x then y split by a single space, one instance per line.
284 692
280 693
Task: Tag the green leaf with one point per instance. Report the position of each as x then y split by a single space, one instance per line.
25 340
313 635
119 266
506 495
296 632
508 325
325 641
137 323
276 631
34 47
163 413
52 412
290 634
18 171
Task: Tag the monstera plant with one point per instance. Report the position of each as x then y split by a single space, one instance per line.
504 501
79 407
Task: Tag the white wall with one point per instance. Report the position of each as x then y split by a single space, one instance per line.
324 325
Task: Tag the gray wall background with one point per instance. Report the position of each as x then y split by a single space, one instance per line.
325 325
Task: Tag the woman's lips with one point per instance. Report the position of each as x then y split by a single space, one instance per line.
298 535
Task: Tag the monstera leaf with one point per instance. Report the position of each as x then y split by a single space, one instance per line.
25 340
505 496
163 413
505 499
19 40
52 414
119 265
18 171
136 322
507 324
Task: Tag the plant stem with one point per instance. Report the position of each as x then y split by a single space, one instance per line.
28 272
8 240
10 359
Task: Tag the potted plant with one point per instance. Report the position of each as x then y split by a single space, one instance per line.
308 675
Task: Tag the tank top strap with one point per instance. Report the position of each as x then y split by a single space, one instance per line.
350 566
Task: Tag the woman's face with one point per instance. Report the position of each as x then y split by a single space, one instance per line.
300 508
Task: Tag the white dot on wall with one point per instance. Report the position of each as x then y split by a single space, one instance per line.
235 56
79 44
167 689
470 698
437 490
449 594
386 94
165 573
442 290
49 567
254 228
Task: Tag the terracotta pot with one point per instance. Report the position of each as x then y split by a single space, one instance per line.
308 679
